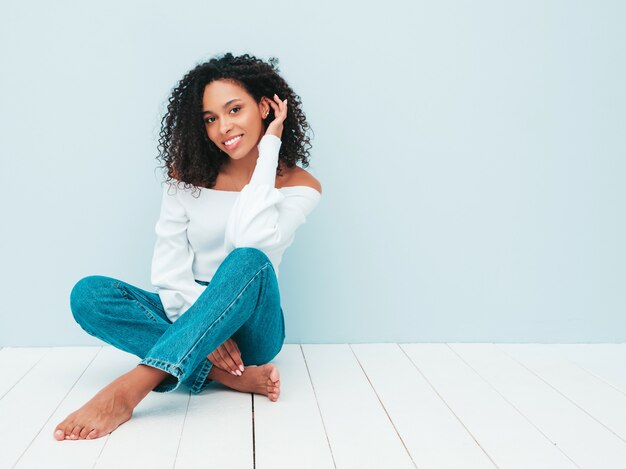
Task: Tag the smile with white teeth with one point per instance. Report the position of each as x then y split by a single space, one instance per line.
232 140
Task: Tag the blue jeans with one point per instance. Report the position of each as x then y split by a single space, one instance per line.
242 301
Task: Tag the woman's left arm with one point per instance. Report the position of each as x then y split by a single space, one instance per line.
262 217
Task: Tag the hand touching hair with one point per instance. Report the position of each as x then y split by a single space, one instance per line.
189 156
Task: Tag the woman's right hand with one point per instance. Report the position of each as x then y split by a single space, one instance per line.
280 114
228 357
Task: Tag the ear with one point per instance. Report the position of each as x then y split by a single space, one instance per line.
264 106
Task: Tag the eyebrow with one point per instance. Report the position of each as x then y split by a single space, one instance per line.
224 106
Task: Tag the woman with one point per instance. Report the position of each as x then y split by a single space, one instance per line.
233 132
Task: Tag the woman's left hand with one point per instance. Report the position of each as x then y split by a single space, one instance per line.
280 114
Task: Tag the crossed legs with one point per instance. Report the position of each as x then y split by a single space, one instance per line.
241 301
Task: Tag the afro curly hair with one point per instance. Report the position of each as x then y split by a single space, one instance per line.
189 156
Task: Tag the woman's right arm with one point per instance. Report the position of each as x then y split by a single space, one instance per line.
172 260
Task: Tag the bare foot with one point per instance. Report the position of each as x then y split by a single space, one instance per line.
264 379
110 407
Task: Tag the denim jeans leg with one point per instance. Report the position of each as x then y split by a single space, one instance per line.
243 301
118 313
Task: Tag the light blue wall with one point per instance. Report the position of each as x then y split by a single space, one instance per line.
472 157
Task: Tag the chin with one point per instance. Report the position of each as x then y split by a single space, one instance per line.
240 153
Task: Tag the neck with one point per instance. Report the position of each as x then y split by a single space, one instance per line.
241 169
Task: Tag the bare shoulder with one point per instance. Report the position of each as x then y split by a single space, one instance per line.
298 176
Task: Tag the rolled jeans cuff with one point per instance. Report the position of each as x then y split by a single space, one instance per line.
197 382
171 382
201 381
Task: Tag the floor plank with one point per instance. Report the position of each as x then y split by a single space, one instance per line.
433 435
16 362
341 406
505 435
603 402
605 361
28 406
157 423
358 428
45 451
294 418
582 438
217 430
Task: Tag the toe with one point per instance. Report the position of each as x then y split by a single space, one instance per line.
84 432
273 392
93 434
274 374
75 432
62 430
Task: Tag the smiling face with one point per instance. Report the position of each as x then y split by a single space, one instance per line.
229 111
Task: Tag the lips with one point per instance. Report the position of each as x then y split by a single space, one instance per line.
232 142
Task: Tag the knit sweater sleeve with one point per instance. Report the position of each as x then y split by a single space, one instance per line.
263 217
172 260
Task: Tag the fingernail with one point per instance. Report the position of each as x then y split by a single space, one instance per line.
233 373
241 368
238 373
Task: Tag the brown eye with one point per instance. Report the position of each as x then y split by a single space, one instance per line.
207 121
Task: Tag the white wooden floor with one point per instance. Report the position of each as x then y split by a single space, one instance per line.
343 406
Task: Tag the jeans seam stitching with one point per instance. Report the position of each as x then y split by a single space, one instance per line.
144 297
222 314
149 301
195 383
174 367
127 296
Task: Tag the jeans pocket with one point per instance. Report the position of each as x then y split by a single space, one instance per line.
132 295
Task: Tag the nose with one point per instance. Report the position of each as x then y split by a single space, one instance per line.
225 126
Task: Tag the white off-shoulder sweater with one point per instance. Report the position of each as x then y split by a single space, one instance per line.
195 234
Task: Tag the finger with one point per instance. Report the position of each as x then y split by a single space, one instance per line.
235 354
283 108
280 111
234 344
216 358
237 347
215 361
239 359
228 361
282 104
278 99
223 365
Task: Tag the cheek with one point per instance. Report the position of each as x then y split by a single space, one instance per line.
210 133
